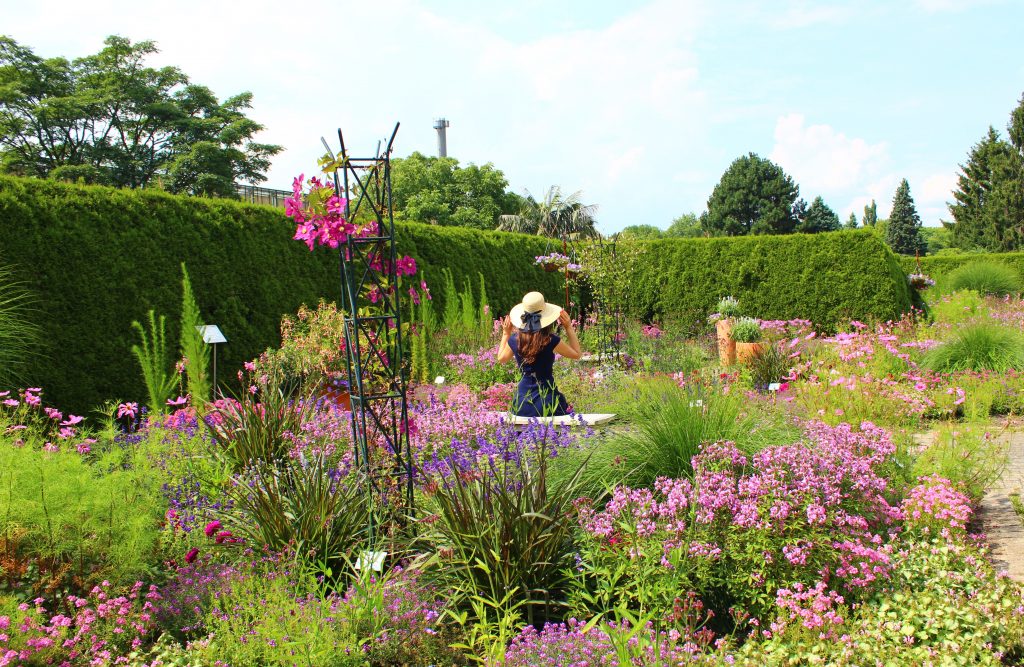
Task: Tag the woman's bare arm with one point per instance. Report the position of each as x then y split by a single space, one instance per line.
504 351
568 347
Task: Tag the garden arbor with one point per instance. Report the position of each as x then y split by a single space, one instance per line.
370 271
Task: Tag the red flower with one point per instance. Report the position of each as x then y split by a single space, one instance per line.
191 556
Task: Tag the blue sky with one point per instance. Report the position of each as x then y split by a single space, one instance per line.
640 105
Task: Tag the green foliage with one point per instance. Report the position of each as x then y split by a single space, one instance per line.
73 524
152 356
19 336
728 306
508 527
641 232
194 351
107 118
826 278
851 222
904 231
937 238
985 278
259 427
959 453
299 504
746 330
959 307
870 217
557 216
669 430
127 243
754 196
977 347
819 218
685 226
768 365
438 191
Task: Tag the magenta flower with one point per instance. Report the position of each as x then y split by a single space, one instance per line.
191 556
72 420
177 402
211 528
127 410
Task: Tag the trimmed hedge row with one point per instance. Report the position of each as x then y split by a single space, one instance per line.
936 266
97 258
827 278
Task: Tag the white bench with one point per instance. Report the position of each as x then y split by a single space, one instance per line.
588 419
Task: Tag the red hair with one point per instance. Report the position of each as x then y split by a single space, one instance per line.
532 342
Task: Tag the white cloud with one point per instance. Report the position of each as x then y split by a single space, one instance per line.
821 159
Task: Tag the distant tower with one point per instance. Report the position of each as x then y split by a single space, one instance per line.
442 141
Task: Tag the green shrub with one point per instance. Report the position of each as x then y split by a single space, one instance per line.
827 278
989 278
125 256
72 524
940 266
768 365
978 347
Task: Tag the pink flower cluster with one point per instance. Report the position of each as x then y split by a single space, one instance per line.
29 417
935 508
814 608
100 631
319 215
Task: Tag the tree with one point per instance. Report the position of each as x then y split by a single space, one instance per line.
986 210
641 232
870 218
685 226
937 238
754 196
819 218
555 216
437 190
904 232
851 222
106 118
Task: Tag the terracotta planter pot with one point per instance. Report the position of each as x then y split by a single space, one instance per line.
746 351
339 397
726 345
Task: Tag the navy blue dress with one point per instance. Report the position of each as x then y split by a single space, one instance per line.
538 396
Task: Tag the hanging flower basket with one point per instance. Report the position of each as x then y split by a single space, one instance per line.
573 271
553 262
920 281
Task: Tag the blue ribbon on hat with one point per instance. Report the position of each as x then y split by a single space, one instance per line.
531 321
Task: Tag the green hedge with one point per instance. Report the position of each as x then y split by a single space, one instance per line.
826 278
97 258
937 266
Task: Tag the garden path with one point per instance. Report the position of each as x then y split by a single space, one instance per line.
1003 526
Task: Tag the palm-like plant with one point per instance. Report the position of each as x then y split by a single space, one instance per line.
555 216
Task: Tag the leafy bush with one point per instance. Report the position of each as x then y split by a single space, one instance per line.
768 365
69 524
978 347
985 278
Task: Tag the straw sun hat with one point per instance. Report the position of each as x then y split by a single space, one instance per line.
533 314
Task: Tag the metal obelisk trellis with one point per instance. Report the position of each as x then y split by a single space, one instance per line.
377 371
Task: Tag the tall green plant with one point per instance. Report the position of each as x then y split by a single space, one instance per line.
152 356
469 317
18 335
509 529
193 348
452 307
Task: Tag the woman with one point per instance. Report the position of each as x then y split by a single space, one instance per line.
527 335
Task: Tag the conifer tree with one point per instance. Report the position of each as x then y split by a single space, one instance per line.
904 231
989 170
851 222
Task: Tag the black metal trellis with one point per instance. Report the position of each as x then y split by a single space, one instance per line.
606 306
377 372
